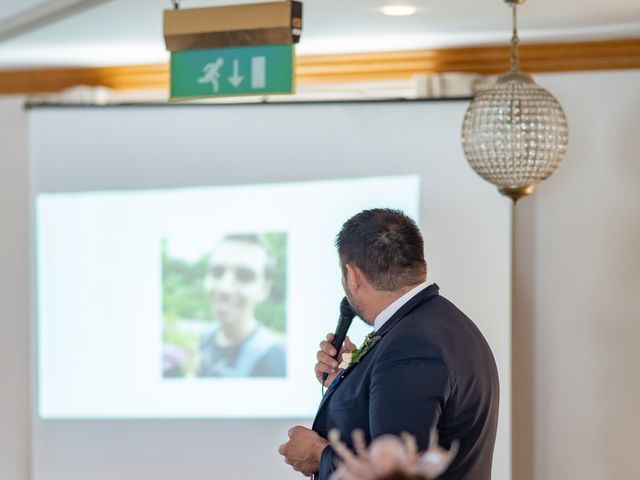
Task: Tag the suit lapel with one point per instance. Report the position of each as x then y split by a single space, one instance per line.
423 295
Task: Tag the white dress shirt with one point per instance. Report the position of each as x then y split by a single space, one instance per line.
388 312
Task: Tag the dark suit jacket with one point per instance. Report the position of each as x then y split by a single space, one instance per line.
432 366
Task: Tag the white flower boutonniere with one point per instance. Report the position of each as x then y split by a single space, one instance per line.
347 358
353 357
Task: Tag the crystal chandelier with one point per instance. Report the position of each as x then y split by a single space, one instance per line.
515 133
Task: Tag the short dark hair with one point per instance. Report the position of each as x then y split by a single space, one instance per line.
386 246
259 241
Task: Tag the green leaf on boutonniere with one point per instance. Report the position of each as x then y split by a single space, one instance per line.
353 357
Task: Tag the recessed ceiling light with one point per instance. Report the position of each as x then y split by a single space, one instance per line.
398 10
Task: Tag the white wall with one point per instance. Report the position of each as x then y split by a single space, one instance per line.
576 338
15 403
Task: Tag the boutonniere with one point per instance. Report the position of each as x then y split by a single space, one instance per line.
353 357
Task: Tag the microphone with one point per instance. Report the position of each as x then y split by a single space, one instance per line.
344 322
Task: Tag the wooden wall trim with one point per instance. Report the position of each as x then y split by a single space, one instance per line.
320 69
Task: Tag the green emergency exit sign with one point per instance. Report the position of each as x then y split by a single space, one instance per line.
221 72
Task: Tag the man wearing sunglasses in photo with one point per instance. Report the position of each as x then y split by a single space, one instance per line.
239 278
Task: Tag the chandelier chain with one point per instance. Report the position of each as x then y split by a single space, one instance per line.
515 41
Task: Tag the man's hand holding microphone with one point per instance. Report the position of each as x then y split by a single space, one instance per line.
327 366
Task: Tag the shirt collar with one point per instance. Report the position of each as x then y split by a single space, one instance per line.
388 312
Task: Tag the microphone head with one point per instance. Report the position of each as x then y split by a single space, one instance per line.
346 311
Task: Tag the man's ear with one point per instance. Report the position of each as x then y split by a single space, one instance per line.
355 277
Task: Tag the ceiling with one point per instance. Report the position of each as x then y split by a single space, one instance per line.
119 32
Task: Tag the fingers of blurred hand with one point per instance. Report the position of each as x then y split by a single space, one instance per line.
321 370
326 359
327 362
326 346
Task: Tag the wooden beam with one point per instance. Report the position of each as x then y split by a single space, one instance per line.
320 69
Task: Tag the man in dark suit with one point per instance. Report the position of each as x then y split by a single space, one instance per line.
426 363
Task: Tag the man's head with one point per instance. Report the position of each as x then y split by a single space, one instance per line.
239 277
384 249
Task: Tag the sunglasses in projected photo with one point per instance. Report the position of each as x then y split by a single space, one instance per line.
241 274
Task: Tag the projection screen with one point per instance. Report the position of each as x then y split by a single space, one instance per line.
143 216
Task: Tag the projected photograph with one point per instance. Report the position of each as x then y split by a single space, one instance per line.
224 312
185 302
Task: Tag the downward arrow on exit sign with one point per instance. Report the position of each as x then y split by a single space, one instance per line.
236 79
